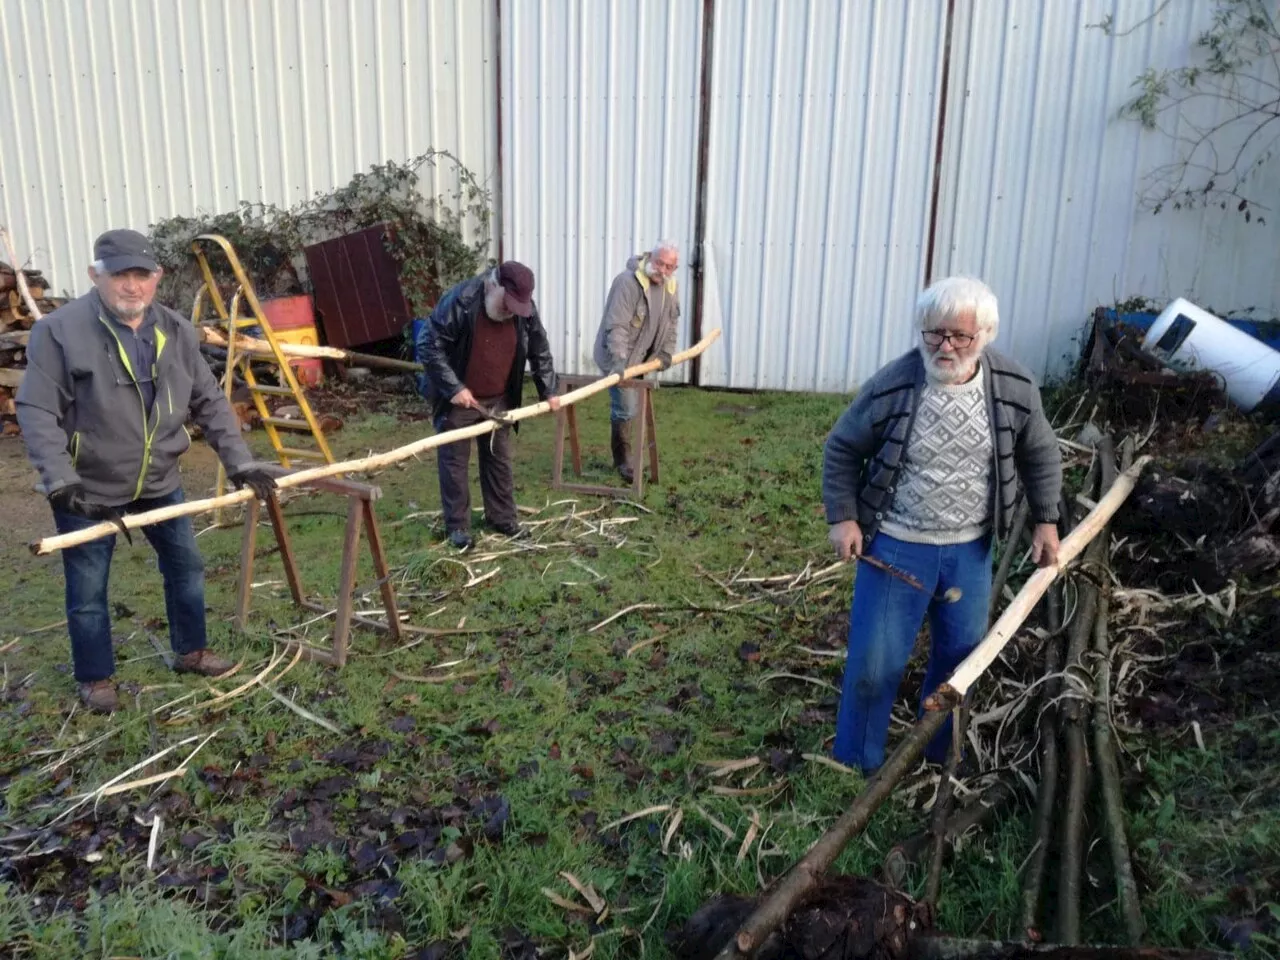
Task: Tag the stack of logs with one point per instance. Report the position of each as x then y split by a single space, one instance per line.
16 320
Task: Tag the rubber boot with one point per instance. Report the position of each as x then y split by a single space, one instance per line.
621 442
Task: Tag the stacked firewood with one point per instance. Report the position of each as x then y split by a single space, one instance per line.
16 320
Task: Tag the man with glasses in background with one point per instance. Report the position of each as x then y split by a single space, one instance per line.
921 473
641 316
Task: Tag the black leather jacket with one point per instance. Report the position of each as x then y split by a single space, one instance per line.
444 346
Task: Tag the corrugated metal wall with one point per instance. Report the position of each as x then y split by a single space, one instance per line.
123 112
599 140
822 132
1040 177
822 121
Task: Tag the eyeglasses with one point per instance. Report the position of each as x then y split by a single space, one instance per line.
935 338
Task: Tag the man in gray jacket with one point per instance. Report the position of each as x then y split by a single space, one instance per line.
110 381
640 319
922 473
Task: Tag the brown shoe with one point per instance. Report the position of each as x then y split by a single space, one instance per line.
100 696
204 662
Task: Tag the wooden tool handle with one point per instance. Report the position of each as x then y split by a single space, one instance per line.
892 571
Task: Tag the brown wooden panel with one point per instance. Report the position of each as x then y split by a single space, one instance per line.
356 285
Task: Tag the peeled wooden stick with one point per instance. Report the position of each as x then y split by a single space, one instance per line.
804 876
986 652
19 276
260 348
135 520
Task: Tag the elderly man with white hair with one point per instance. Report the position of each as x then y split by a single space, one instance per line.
921 473
640 319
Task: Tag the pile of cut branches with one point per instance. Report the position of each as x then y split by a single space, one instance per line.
1047 724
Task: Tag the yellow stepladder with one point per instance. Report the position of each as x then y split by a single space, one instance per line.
233 320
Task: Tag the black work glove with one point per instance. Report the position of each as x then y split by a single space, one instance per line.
663 358
71 499
259 481
619 367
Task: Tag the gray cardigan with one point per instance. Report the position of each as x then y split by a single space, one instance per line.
865 449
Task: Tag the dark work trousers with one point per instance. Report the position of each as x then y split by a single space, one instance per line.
496 483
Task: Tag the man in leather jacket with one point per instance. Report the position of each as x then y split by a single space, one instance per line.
474 349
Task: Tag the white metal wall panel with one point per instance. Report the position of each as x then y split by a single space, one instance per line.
124 112
1041 177
822 133
599 145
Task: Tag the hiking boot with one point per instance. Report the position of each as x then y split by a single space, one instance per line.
460 539
204 662
620 440
100 696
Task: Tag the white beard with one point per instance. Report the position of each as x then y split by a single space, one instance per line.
130 313
493 304
955 372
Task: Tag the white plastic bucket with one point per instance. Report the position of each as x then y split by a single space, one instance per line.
1186 337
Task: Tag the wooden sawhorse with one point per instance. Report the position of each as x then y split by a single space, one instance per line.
644 438
360 500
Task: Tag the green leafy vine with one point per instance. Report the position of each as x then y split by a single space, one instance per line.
437 239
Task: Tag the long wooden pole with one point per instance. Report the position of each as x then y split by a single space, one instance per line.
974 665
260 348
135 520
804 876
1109 769
1047 791
1104 753
1075 714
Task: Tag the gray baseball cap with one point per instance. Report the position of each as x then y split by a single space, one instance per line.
120 250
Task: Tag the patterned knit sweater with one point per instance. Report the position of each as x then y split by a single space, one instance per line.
944 490
864 452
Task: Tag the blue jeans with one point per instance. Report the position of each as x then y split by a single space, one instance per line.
623 404
883 623
87 567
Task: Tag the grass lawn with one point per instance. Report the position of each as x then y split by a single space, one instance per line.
436 821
